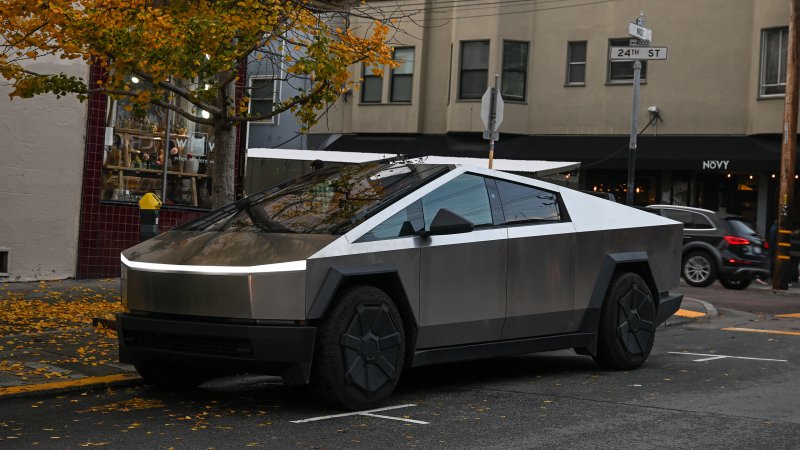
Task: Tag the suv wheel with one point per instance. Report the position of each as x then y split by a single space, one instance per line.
360 349
698 269
736 285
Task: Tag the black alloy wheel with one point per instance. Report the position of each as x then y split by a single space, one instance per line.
360 349
627 324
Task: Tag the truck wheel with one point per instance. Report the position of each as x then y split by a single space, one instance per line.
174 377
360 349
627 324
698 269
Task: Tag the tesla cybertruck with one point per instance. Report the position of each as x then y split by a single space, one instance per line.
347 276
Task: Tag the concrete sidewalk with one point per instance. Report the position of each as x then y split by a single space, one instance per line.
56 336
59 335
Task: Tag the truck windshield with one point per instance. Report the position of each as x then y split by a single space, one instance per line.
329 201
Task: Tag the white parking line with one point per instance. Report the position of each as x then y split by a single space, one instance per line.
713 357
367 413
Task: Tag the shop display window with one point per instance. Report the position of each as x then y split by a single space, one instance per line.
134 159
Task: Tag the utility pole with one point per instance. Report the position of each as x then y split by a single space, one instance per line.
788 148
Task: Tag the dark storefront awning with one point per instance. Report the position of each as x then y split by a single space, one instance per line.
726 153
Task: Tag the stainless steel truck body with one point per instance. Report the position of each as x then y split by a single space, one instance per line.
346 276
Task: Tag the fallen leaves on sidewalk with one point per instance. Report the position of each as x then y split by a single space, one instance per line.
40 338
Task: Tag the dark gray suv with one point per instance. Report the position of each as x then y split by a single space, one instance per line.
717 245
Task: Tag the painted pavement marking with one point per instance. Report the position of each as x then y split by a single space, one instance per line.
689 313
789 316
367 413
80 382
756 330
711 357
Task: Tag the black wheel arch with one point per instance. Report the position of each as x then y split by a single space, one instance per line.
384 277
613 264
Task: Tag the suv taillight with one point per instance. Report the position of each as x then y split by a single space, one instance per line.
733 240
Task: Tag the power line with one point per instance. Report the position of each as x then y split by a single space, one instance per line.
486 6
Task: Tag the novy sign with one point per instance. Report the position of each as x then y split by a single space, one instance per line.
715 164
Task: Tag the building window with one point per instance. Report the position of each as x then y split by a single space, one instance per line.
138 154
474 69
372 89
622 71
403 75
515 70
773 61
263 92
576 63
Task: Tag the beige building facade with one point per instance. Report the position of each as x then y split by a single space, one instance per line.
711 113
43 146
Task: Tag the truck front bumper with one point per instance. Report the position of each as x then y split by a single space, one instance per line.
218 348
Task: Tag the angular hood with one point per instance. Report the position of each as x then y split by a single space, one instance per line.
225 248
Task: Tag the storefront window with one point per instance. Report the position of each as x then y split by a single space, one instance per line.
133 163
646 185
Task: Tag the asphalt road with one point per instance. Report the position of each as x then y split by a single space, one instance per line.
703 387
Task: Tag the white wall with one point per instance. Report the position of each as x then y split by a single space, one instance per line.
42 145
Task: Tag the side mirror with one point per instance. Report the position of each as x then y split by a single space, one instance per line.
448 222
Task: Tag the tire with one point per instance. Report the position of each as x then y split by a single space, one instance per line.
360 349
173 377
699 269
627 324
736 285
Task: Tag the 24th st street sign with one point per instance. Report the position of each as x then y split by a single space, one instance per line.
634 53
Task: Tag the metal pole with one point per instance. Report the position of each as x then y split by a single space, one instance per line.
166 150
788 148
637 71
492 120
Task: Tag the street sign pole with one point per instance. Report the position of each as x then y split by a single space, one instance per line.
492 120
637 72
492 116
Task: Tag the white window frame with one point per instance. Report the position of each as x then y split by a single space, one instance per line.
395 75
366 72
571 63
525 71
276 91
783 53
462 70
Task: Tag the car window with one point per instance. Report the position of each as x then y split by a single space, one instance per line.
741 228
701 222
527 204
404 223
683 217
465 195
689 219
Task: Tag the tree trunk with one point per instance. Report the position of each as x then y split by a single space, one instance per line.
222 175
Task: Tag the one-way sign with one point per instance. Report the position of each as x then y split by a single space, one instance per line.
634 53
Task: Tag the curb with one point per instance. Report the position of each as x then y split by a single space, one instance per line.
88 383
702 310
711 311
